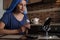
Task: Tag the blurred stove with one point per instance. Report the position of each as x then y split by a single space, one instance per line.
42 37
37 29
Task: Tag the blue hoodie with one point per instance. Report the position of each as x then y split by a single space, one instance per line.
9 19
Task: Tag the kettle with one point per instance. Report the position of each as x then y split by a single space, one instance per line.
35 20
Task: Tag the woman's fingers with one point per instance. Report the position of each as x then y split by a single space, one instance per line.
23 29
27 26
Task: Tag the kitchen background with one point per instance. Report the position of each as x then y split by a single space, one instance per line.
40 9
45 8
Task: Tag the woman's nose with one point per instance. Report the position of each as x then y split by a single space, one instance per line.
23 8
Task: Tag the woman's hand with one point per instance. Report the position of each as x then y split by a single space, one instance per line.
23 29
27 25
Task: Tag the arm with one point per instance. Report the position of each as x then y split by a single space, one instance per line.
6 31
27 25
25 28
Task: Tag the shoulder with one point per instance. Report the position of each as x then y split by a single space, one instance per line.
7 14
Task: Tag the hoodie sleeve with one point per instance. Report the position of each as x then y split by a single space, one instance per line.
27 19
4 18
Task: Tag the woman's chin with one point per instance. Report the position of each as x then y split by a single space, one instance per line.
22 11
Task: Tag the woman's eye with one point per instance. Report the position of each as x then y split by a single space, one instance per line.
20 4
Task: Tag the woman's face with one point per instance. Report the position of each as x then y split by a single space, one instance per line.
21 6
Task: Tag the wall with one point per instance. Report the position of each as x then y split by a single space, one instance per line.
4 4
1 8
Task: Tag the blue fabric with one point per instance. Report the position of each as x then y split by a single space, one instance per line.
8 18
11 22
25 11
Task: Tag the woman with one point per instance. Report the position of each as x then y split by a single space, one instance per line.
14 21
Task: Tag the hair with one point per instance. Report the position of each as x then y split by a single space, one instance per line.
14 9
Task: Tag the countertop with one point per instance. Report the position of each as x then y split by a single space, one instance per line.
52 24
10 36
20 36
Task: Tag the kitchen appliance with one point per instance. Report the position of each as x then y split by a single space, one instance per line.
52 29
46 27
35 20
